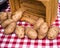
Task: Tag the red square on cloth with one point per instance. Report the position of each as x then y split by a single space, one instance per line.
12 41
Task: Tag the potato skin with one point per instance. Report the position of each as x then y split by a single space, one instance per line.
42 31
3 16
27 19
59 31
18 14
9 15
27 29
10 28
53 32
41 36
6 22
19 31
31 33
38 23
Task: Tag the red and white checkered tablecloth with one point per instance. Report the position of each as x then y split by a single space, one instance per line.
12 41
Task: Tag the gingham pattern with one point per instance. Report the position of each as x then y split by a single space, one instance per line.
12 41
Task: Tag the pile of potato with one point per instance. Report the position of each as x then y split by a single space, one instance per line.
39 30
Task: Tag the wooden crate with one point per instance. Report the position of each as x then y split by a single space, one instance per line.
48 8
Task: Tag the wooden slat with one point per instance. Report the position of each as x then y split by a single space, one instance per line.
17 5
54 7
43 1
33 8
48 13
12 5
32 15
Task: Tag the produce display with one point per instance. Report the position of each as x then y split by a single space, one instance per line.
39 30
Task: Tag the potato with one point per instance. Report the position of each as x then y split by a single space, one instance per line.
31 33
53 32
10 28
59 31
42 31
41 36
19 31
9 15
6 22
38 23
3 16
27 19
18 14
27 29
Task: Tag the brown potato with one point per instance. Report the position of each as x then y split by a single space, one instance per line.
42 31
10 28
27 29
31 21
38 23
53 32
6 22
41 36
9 15
3 16
31 33
18 14
19 31
59 31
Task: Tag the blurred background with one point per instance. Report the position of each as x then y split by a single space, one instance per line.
3 4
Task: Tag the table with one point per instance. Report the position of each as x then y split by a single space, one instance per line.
12 41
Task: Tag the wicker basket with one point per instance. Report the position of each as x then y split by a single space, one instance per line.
47 8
